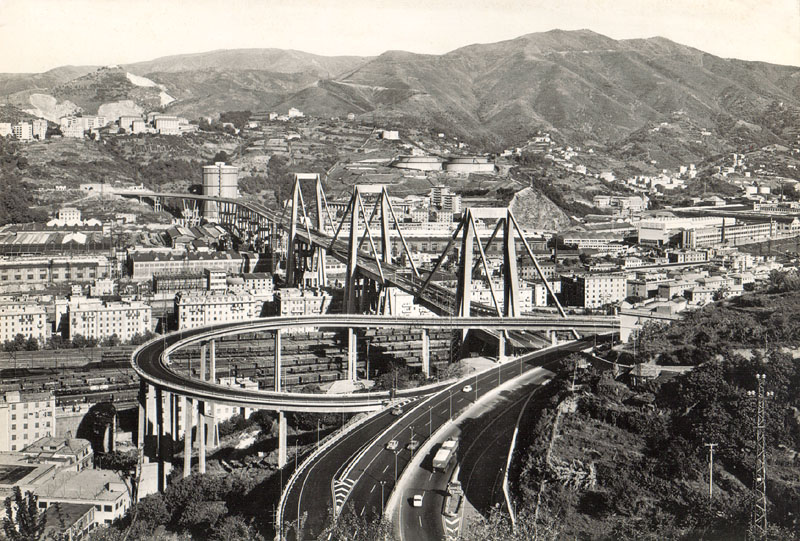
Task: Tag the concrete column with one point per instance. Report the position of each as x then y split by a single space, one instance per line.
186 408
281 439
212 369
277 376
426 353
212 430
160 440
203 349
201 437
501 346
553 338
142 414
352 375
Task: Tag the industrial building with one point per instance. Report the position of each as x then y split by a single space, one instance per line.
143 266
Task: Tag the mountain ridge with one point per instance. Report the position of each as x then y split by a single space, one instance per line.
584 87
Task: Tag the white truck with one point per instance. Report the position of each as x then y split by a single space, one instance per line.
445 454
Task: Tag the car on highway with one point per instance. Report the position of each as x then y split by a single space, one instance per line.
392 445
417 501
467 388
397 410
412 445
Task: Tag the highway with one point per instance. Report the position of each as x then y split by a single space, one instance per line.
377 464
484 441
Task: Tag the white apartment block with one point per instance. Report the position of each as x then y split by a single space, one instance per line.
26 417
5 129
293 301
40 129
593 290
23 131
207 308
28 319
166 125
93 318
69 215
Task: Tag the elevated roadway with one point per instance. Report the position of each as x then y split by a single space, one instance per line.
151 360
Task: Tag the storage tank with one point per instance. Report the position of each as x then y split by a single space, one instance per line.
419 163
219 180
469 164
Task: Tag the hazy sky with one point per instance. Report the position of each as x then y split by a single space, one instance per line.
36 35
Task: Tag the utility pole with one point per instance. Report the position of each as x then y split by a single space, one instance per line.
758 527
711 468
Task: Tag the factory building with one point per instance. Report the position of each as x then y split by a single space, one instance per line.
219 180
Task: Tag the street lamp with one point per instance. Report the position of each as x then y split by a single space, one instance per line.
451 404
382 504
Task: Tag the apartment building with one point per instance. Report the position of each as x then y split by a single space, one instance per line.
93 318
208 308
166 125
26 318
687 256
6 129
292 301
26 417
23 131
39 128
593 290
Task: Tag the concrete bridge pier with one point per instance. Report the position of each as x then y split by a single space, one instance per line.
426 353
201 436
553 338
186 408
501 346
277 373
282 447
352 374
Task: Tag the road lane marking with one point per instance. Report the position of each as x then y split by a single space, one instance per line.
420 521
385 468
372 489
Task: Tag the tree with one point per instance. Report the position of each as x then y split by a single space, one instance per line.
235 528
23 522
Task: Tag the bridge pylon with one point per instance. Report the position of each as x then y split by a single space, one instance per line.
300 259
